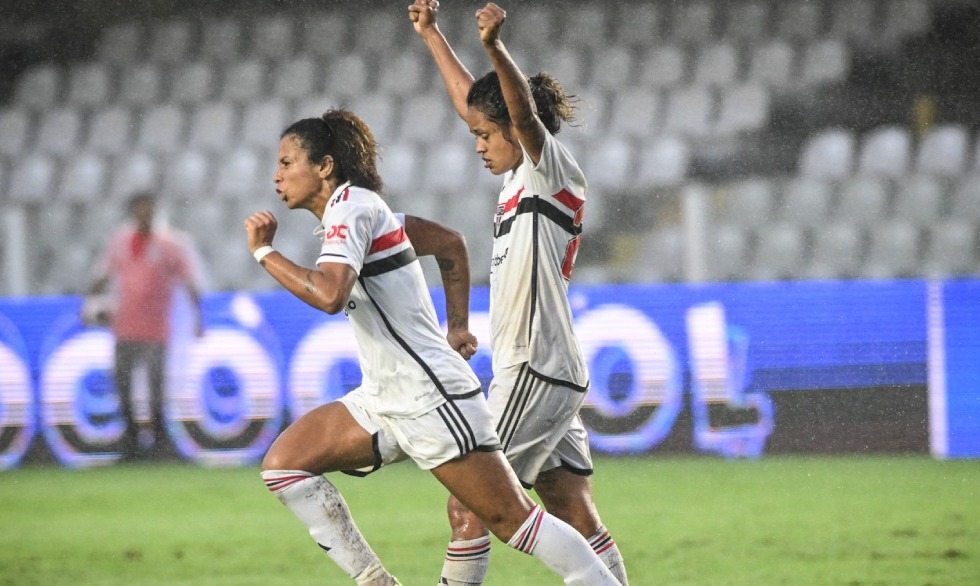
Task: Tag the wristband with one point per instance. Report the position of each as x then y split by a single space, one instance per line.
261 252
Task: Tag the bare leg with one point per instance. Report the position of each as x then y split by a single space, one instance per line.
325 440
486 485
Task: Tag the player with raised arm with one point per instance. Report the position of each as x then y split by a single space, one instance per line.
418 398
540 376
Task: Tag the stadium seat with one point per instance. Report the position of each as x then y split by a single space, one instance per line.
663 66
772 63
111 130
172 40
121 43
568 64
690 112
375 31
398 164
609 164
16 130
134 172
662 162
693 22
805 201
141 84
59 131
893 250
84 178
33 180
838 251
534 29
583 25
447 166
221 39
214 126
747 202
273 36
404 75
297 78
886 152
263 122
828 154
799 20
965 198
162 129
245 81
349 76
661 255
864 199
729 249
780 252
187 175
381 113
824 62
903 19
634 112
746 21
613 68
920 198
943 150
194 82
39 87
634 24
243 170
854 21
426 118
89 84
951 248
325 33
742 108
716 64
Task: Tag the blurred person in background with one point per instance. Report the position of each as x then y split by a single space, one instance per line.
418 398
142 269
540 375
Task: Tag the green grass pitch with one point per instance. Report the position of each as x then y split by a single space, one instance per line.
697 520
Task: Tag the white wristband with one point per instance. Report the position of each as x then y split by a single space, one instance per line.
261 252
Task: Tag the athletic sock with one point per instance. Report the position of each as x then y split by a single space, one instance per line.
603 545
466 562
319 506
561 548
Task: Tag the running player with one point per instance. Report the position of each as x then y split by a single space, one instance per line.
540 375
418 399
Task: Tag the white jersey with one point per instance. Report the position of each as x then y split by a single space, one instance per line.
537 228
408 366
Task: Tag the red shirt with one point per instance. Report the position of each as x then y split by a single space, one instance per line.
146 269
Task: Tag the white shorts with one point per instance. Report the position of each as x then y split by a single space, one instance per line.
538 424
445 433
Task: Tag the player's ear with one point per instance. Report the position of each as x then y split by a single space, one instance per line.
325 168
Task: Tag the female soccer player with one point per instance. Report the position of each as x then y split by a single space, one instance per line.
418 399
540 376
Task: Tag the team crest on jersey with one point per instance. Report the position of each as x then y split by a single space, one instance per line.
499 215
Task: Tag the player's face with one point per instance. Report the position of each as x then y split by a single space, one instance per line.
298 181
493 143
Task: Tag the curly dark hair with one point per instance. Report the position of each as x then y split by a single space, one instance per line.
344 136
553 105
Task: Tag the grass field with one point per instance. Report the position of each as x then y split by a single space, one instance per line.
852 521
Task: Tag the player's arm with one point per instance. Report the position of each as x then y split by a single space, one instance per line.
524 120
449 247
455 76
326 288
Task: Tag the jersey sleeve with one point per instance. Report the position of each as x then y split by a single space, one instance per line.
557 177
348 227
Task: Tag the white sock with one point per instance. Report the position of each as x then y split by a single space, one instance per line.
466 562
319 506
603 545
561 548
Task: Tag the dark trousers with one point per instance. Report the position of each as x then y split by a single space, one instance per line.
130 355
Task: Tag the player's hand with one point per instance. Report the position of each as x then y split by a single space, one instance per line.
423 14
261 229
463 341
489 19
